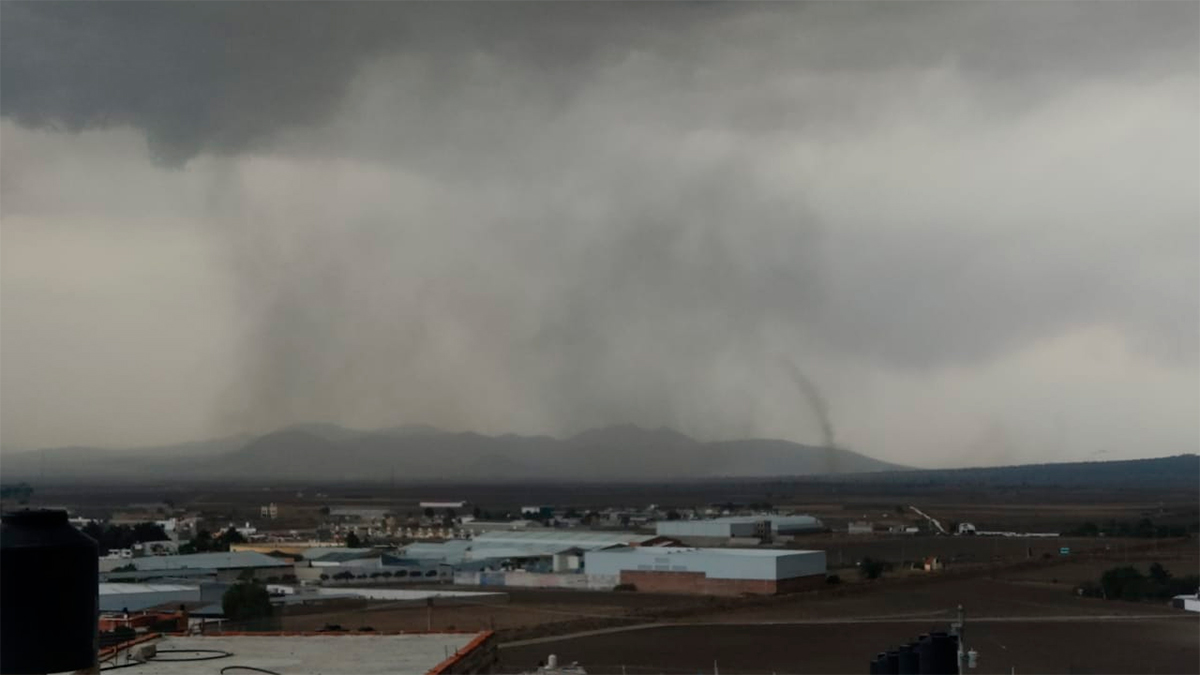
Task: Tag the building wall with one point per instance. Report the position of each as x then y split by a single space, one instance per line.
716 563
480 656
703 528
697 583
582 582
261 573
795 524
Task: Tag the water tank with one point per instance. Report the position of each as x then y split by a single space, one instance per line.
893 662
909 662
48 581
938 654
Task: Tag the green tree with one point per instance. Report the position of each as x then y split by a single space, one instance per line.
231 536
1121 582
244 601
870 568
1159 574
673 515
148 531
352 540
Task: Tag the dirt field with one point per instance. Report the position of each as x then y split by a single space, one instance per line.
524 608
843 551
1145 646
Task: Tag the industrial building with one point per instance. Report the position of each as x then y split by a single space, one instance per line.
346 653
738 527
118 597
540 550
226 566
709 571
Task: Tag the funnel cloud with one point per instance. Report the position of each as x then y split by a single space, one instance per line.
541 218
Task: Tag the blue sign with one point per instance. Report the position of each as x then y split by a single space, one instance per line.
1066 550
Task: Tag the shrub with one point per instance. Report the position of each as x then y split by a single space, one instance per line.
246 601
833 580
870 568
625 587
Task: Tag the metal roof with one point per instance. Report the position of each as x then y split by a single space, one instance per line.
323 552
692 551
211 561
565 538
119 588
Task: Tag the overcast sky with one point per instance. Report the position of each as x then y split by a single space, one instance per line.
974 227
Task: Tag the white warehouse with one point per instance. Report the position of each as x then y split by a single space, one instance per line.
709 571
738 527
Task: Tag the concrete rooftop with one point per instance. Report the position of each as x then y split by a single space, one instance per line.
315 654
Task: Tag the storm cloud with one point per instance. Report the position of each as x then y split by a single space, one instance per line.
543 217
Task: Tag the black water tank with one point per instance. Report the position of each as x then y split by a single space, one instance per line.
909 663
893 662
49 575
925 658
938 654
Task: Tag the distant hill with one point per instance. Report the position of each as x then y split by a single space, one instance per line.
626 453
332 453
1177 471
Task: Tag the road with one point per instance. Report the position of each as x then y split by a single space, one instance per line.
901 618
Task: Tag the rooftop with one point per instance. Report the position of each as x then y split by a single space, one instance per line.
684 550
346 654
122 588
564 537
211 561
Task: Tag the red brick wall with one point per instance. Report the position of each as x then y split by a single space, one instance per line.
697 583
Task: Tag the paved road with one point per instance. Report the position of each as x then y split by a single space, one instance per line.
902 618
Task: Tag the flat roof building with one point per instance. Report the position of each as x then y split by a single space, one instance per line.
738 527
227 566
116 597
710 571
344 653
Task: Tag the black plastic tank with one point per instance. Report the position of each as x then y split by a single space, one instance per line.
938 654
925 658
893 662
49 574
909 662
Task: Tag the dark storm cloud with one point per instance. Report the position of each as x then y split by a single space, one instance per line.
546 216
227 76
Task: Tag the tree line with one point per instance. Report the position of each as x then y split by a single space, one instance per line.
1144 528
115 537
1128 583
205 542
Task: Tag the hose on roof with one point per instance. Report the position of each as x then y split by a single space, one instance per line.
250 668
208 655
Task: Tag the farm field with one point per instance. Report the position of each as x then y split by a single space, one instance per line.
1026 646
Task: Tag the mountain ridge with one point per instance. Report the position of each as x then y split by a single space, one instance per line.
328 451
